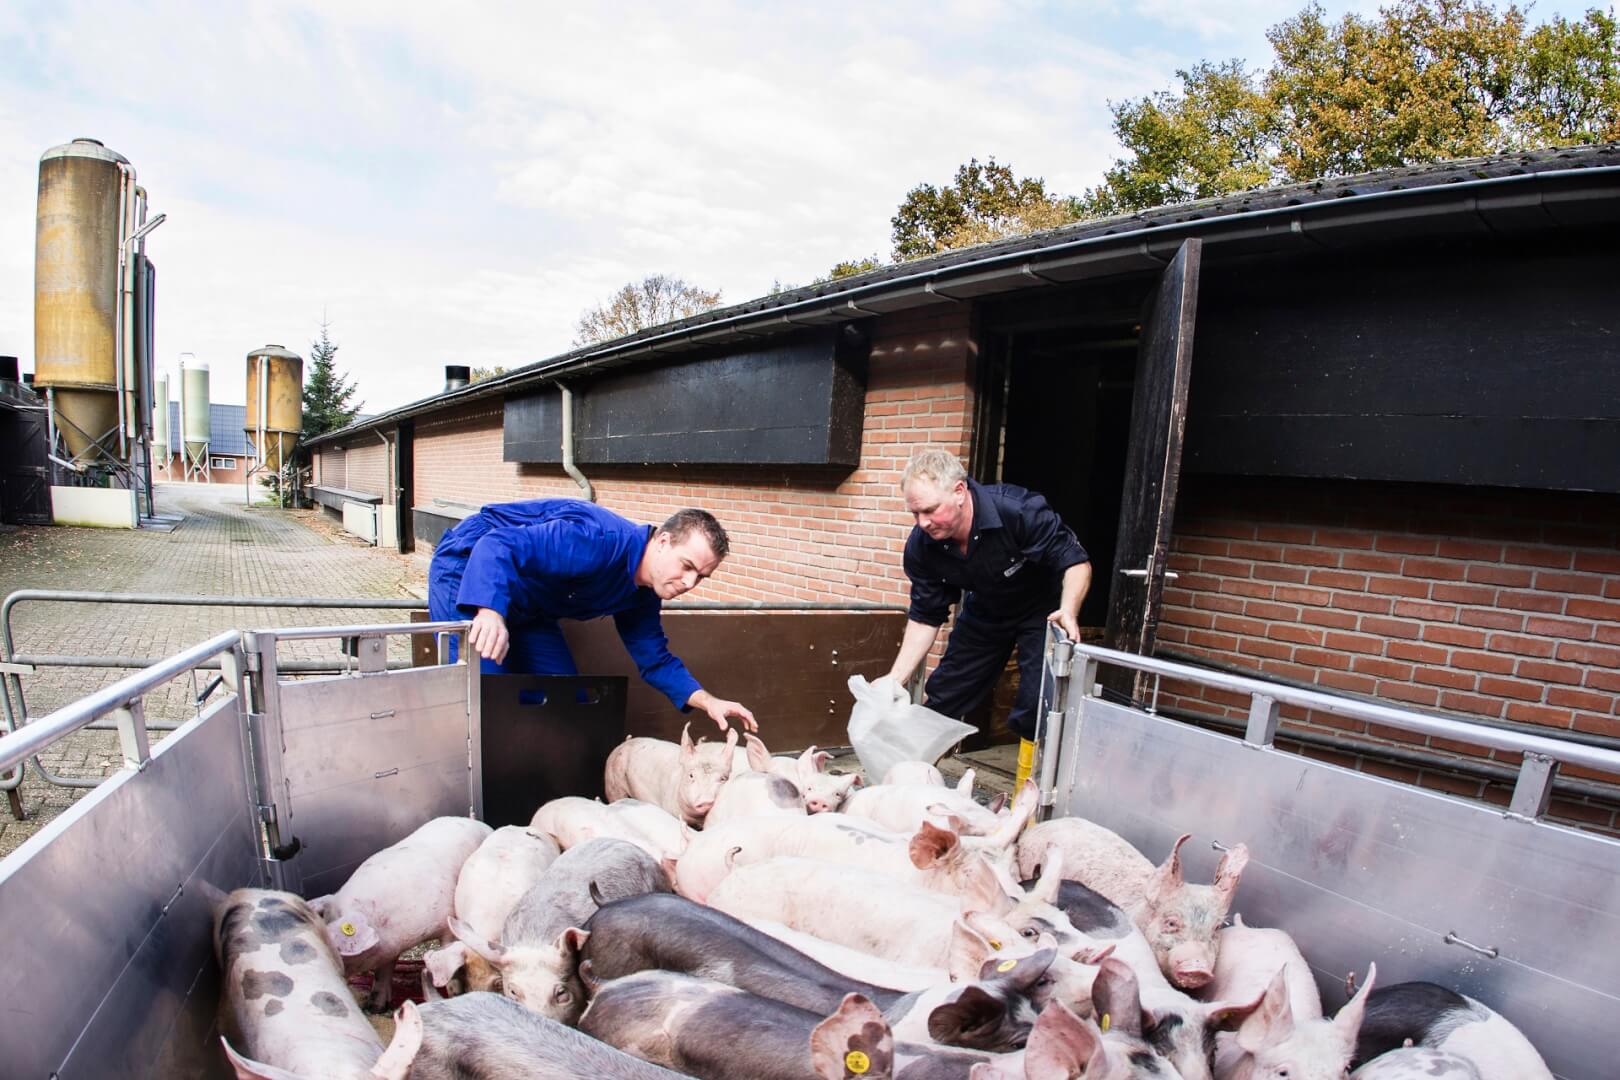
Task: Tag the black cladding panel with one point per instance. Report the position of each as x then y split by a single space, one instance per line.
1479 365
799 402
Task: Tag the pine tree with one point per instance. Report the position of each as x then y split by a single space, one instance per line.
326 390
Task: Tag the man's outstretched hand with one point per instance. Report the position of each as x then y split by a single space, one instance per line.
488 636
720 711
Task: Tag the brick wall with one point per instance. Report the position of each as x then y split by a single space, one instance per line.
366 466
794 537
234 475
330 470
1494 605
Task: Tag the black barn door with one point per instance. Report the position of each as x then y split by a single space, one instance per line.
1153 463
25 492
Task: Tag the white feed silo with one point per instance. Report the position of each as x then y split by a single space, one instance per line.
194 420
162 448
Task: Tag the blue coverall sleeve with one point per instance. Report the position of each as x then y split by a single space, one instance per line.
551 549
643 635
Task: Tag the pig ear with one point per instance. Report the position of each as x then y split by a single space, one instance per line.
972 1012
998 803
1116 997
1230 871
964 786
1061 1045
981 890
1167 878
441 965
1272 1021
396 1060
759 758
1021 974
324 906
855 1041
1051 879
351 935
1348 1021
932 845
248 1069
686 740
572 940
490 951
1090 954
970 951
731 744
819 759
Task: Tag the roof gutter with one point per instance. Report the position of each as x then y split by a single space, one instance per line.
1455 197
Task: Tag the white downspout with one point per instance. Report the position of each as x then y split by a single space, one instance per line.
568 444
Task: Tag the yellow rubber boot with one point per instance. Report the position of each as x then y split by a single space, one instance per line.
1026 763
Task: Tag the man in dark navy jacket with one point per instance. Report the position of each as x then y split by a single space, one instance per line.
1011 565
517 568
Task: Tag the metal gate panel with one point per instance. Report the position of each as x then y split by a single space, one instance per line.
107 924
367 759
1362 869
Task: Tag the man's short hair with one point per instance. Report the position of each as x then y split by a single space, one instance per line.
682 522
938 467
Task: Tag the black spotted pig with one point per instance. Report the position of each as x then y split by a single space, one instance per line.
1417 1063
482 1036
286 1004
399 898
538 954
1442 1019
683 779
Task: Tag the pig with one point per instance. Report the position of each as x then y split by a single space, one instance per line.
572 820
483 1036
935 856
285 1000
398 898
1417 1063
752 795
848 905
902 808
537 956
671 933
683 779
1099 858
1442 1019
1272 1041
1182 1024
1250 957
492 881
824 792
1179 920
1063 1045
914 774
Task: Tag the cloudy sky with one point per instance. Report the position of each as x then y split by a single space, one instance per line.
456 183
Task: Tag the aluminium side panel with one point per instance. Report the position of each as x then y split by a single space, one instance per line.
369 758
107 927
1361 869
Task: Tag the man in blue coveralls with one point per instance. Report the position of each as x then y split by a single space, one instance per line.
1010 560
517 568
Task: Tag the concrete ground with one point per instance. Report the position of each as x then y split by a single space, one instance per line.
221 547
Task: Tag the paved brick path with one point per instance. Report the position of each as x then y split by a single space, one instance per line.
222 548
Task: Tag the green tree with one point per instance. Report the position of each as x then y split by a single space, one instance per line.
1212 138
1423 80
327 392
654 300
849 268
985 202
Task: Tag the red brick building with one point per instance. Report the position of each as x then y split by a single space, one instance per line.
1361 435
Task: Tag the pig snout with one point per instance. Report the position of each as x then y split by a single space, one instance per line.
1192 965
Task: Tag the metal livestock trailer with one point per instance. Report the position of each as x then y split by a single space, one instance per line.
105 921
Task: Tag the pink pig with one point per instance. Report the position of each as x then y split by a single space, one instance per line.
684 779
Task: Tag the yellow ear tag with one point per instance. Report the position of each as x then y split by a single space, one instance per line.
994 944
348 929
857 1062
1105 1021
1006 966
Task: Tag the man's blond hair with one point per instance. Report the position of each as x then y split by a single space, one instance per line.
938 467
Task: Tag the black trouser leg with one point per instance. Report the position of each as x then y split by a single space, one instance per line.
974 658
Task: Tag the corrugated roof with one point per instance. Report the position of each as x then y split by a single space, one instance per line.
225 434
1532 189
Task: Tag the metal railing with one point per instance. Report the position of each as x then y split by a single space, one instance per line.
1068 661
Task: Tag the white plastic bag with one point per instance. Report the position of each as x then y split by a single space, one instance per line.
885 728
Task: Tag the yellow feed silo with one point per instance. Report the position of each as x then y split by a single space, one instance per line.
275 403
